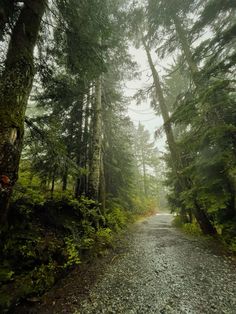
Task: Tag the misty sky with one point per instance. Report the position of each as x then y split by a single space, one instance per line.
143 112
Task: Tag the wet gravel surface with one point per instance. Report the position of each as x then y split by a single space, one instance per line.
164 271
154 268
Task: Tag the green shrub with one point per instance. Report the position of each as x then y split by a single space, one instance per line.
143 206
28 195
72 252
104 236
87 243
116 219
192 228
43 277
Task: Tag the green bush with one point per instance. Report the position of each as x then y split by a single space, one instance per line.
192 228
143 206
72 252
116 219
104 236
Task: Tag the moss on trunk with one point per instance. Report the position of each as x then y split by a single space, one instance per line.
15 86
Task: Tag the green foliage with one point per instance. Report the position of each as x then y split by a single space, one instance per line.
142 205
203 113
43 277
26 198
189 228
51 237
228 234
104 237
72 251
116 218
50 231
5 275
192 229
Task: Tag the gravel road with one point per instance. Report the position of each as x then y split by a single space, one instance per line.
164 271
155 269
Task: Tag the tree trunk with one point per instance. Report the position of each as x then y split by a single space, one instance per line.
52 184
65 179
144 173
15 87
203 221
84 147
43 184
199 214
86 141
164 112
79 143
102 191
95 167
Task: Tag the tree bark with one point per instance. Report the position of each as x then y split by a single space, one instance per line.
102 190
95 167
83 186
203 221
15 86
86 141
79 143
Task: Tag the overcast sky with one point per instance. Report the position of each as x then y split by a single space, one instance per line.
143 112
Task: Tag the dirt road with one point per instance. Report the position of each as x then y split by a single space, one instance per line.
161 271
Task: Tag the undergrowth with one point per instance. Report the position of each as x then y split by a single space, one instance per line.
226 233
189 228
50 236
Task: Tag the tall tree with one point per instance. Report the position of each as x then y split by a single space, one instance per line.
145 153
96 143
209 65
174 16
16 83
164 109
